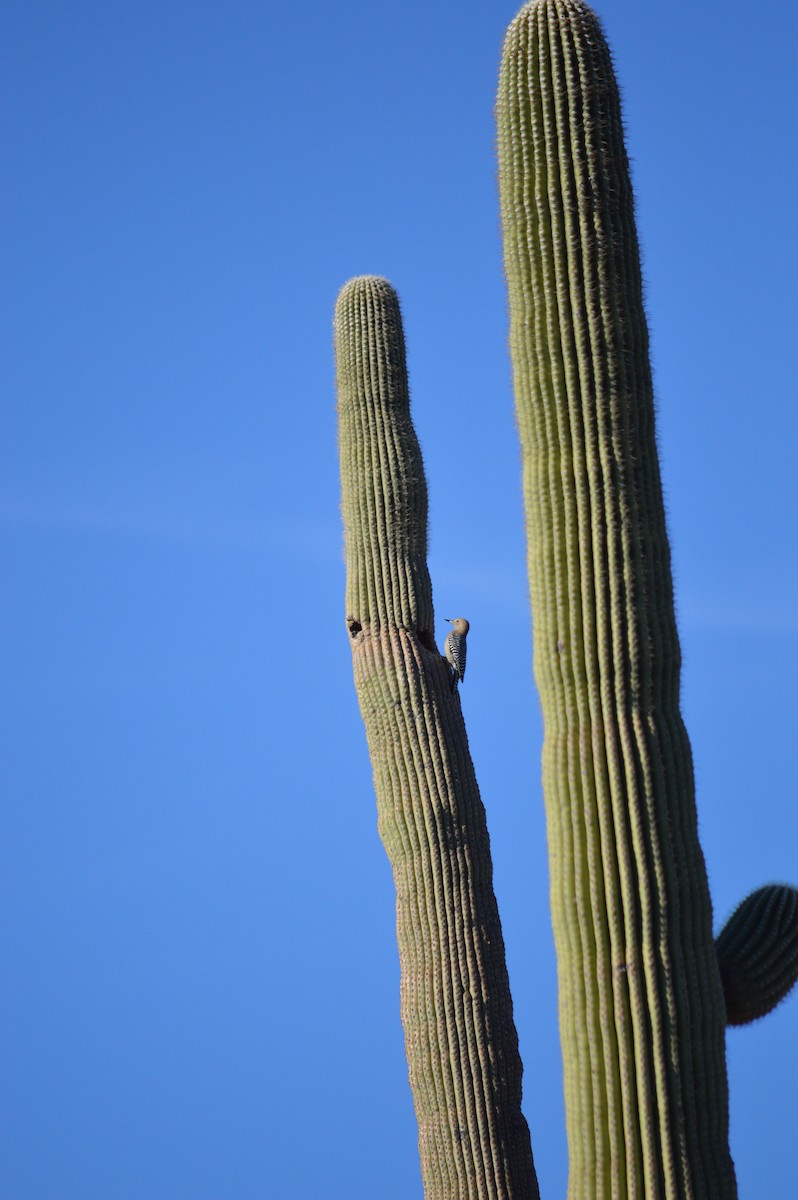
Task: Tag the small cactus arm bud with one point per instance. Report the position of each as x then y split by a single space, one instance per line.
758 953
455 648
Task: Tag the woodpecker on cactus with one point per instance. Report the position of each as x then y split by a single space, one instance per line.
455 648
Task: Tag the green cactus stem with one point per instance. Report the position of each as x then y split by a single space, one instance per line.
460 1038
641 1005
758 953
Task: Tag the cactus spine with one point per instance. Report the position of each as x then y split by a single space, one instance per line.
641 1005
460 1038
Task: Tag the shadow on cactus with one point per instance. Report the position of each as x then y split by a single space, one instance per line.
645 991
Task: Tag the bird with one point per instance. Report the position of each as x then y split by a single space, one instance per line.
455 648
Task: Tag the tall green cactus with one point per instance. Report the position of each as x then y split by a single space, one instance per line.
641 1003
462 1047
645 992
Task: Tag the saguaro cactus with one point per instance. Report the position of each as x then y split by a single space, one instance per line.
641 1003
461 1043
645 992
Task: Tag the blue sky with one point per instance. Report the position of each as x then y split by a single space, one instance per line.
200 994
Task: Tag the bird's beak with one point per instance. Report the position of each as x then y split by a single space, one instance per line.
449 619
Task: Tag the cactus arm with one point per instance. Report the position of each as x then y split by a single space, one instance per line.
757 952
641 1004
460 1038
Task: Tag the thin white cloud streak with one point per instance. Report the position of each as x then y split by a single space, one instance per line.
497 580
775 613
290 536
